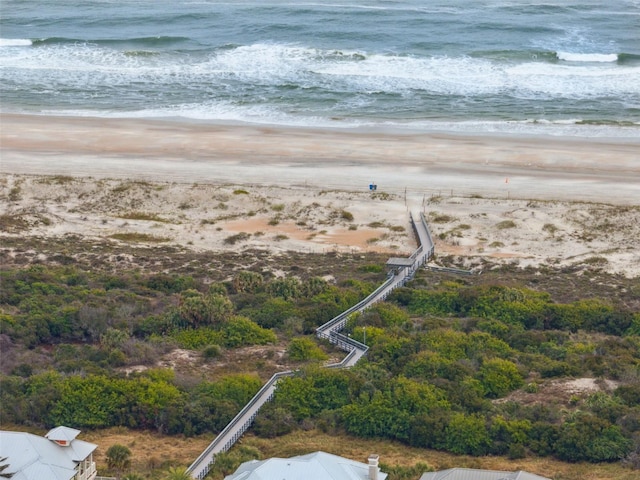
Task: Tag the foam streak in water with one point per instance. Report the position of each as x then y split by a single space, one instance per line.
15 42
588 57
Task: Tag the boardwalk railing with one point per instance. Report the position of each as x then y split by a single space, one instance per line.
338 323
458 271
236 427
428 239
330 330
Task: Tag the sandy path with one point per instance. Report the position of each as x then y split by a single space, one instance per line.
425 164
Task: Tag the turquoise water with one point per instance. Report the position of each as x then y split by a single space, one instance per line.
561 67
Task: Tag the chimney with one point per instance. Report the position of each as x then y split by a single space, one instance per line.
373 467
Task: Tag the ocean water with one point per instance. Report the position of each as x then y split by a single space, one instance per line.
559 67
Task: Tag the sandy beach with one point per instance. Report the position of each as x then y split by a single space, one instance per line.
530 200
597 170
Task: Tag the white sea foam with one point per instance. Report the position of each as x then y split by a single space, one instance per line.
15 42
575 81
276 66
588 57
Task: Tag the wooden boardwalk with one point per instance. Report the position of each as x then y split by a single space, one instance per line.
331 331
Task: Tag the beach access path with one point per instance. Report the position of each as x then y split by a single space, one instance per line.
330 331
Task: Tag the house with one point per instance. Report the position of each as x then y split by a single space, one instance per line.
314 466
476 474
56 456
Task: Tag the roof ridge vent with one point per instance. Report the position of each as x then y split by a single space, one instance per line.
62 436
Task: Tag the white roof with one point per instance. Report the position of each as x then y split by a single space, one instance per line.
314 466
476 474
32 457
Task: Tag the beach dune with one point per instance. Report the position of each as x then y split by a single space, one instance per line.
521 200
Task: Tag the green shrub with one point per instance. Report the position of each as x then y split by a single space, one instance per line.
345 215
467 435
198 310
287 288
147 217
442 218
303 349
246 281
588 438
242 331
499 377
506 224
273 421
134 237
211 351
194 339
238 237
371 268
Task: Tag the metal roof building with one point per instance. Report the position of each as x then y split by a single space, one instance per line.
314 466
476 474
56 456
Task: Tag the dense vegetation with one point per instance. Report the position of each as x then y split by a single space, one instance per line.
443 362
453 365
82 329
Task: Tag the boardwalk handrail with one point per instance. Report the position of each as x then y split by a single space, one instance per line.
330 330
458 271
357 307
345 361
429 237
235 421
354 344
